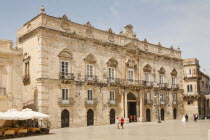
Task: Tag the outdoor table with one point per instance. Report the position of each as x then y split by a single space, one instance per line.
9 132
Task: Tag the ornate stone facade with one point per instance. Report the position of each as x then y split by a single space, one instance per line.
83 76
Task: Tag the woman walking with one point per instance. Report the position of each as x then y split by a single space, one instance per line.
122 121
118 123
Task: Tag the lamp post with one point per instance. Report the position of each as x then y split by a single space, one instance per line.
158 104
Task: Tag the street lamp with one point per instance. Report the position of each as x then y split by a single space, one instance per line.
158 103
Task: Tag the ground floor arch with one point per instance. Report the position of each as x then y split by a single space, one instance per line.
112 114
148 115
90 117
162 112
65 118
174 113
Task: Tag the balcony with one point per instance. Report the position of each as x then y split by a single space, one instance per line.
111 80
147 83
2 91
112 103
175 86
66 102
163 85
92 102
66 78
130 82
174 102
91 79
26 79
192 76
163 102
148 102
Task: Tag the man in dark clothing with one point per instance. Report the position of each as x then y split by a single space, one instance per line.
186 118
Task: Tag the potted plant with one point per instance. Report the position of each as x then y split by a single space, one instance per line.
47 125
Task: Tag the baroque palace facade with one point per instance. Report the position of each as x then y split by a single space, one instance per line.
83 76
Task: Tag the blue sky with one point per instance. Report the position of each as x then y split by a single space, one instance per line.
184 23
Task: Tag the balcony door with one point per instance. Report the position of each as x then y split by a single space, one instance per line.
64 69
147 79
89 72
130 75
111 74
65 96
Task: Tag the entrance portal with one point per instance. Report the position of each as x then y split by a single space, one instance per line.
162 114
112 116
148 116
90 117
174 113
131 106
65 118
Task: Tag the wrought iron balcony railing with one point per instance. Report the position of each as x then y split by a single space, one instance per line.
175 86
67 101
131 82
163 102
174 102
91 78
112 102
148 102
163 85
2 91
112 80
147 83
92 101
66 76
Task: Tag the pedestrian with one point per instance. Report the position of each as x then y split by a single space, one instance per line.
122 121
194 117
186 118
134 118
130 118
118 123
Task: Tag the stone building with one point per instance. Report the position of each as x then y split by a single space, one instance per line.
10 76
83 76
196 89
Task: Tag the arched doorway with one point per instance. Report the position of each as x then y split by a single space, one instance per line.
148 116
131 104
174 113
112 116
65 118
162 114
90 117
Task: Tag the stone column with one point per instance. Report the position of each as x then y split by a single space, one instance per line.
141 106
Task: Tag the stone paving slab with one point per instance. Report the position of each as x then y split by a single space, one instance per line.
167 130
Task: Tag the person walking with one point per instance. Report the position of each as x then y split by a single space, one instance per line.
131 118
118 123
186 118
122 121
134 118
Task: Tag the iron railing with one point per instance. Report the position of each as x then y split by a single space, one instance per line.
92 101
175 86
91 78
147 83
163 85
68 101
112 80
148 102
66 76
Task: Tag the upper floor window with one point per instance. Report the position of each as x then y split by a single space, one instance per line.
148 96
90 94
189 71
174 97
147 77
64 67
130 74
173 80
112 95
161 79
189 88
161 97
65 94
89 71
111 73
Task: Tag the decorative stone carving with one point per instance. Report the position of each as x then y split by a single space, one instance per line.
29 26
111 38
145 40
147 68
88 24
174 72
132 48
66 54
160 50
131 63
112 62
90 58
162 70
121 32
42 10
172 52
110 31
64 17
146 48
65 26
129 31
89 32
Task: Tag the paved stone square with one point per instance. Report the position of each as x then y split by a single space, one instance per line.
167 130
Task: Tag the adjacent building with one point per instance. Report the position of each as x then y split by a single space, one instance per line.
196 89
84 76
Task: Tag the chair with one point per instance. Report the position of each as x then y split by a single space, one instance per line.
9 132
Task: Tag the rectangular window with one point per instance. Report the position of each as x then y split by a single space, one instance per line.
161 97
65 67
189 88
161 80
148 96
147 77
90 94
174 97
112 95
189 71
111 73
130 75
173 80
65 94
89 71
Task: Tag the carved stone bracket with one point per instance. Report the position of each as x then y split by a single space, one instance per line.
90 58
112 62
131 63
